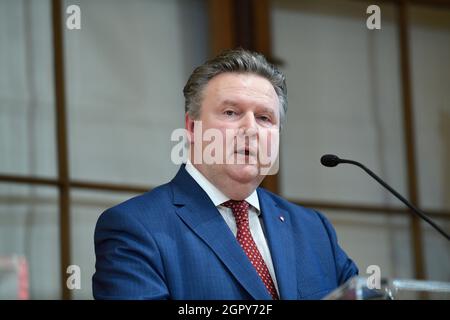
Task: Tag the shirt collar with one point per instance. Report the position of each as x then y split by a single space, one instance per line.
217 196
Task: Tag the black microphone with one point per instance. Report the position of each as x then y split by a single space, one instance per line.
331 160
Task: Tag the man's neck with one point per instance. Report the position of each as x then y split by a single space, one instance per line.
217 196
235 190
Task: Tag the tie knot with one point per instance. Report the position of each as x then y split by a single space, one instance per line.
239 208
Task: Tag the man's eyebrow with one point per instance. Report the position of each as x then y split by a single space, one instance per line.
232 103
228 102
268 110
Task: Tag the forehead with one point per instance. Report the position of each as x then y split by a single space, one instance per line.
240 87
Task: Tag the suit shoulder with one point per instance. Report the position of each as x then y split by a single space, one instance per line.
148 202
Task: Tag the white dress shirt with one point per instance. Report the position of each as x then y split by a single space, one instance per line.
254 212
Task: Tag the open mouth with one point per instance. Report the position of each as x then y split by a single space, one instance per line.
246 152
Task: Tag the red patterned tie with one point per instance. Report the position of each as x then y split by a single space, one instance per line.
245 239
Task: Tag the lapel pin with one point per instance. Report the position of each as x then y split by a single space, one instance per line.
282 218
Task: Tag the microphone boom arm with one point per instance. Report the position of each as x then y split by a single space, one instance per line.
414 209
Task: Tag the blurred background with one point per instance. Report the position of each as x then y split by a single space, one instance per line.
86 117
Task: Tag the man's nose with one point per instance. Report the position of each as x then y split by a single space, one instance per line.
248 123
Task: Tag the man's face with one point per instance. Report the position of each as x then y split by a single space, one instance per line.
244 108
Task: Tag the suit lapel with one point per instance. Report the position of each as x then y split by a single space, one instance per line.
202 217
281 244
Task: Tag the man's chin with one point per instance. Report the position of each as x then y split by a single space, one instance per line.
244 173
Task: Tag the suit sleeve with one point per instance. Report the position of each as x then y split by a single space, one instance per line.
345 267
128 263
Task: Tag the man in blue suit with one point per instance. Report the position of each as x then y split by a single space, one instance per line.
211 232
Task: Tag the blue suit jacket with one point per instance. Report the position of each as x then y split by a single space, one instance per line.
172 243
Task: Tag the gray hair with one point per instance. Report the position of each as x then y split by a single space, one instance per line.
238 61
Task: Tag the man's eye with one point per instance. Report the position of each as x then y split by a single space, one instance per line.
230 113
264 118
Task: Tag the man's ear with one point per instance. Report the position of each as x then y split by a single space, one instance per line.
189 126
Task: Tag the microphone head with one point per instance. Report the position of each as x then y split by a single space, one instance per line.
330 160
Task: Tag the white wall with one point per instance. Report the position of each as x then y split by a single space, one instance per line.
26 89
28 226
344 94
430 59
125 71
